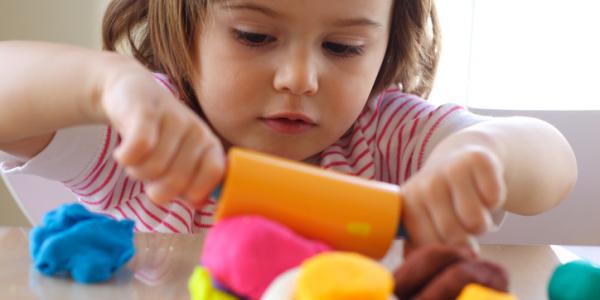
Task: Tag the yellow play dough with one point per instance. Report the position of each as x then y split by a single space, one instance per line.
201 287
475 291
343 276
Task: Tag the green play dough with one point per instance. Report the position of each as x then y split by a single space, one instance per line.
201 287
575 281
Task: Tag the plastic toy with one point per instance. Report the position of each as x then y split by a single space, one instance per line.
343 211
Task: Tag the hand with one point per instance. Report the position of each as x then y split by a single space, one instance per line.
452 196
163 142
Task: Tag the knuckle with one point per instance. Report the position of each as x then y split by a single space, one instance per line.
458 238
157 193
176 182
134 172
196 192
178 119
454 169
152 169
148 108
493 196
476 224
141 144
435 250
478 156
451 170
214 169
449 229
446 230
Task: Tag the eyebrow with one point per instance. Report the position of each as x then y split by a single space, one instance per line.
252 7
361 21
357 22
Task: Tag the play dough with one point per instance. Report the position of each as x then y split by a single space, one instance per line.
201 287
575 280
246 253
75 241
343 276
441 272
475 291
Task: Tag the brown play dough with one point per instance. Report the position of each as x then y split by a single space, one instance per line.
441 272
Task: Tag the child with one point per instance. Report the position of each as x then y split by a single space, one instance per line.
332 83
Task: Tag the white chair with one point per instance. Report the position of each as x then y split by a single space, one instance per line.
35 195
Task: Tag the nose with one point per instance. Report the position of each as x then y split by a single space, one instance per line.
297 74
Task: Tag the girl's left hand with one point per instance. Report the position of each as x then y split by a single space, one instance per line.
453 196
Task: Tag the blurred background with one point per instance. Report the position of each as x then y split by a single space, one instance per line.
66 21
513 57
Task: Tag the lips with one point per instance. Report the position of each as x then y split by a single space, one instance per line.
289 123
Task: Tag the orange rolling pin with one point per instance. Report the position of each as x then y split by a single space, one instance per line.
346 212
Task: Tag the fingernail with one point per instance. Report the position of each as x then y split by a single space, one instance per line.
473 244
489 221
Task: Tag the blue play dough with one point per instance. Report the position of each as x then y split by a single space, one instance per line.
75 241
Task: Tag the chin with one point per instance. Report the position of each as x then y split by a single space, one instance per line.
289 152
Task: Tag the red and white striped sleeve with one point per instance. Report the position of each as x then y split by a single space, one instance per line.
394 135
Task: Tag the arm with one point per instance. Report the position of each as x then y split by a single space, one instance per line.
522 165
46 87
539 166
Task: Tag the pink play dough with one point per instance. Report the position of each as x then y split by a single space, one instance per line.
246 253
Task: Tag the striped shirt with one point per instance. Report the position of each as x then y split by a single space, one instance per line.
389 142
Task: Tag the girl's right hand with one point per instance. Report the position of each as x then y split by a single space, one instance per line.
164 143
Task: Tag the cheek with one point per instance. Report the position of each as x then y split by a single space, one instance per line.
352 87
218 88
348 111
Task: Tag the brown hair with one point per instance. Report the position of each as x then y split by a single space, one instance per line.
161 35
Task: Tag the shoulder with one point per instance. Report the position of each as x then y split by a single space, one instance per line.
388 99
166 83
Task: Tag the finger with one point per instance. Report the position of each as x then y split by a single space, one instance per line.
488 173
423 265
209 171
180 172
450 283
472 214
156 163
417 220
139 137
439 207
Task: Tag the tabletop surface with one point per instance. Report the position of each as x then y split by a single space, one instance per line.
163 263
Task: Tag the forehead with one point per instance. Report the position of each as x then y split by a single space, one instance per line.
376 11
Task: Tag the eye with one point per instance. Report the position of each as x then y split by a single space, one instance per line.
253 39
343 50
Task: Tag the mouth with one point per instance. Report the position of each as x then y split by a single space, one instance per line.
288 123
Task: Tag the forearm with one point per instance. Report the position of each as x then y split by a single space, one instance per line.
539 166
46 87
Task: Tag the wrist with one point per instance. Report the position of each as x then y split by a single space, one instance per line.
107 71
474 136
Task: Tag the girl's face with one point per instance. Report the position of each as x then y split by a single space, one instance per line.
289 77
